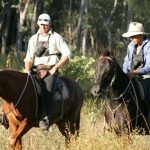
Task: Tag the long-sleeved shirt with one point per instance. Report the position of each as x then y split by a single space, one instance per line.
56 45
145 48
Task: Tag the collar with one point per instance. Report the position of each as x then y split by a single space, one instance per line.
143 43
49 32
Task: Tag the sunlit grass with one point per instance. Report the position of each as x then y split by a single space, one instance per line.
92 135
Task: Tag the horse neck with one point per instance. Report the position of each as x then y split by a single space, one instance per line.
120 83
9 84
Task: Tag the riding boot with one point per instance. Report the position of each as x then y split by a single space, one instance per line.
4 121
48 99
46 121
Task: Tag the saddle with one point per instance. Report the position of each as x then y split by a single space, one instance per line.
59 90
142 88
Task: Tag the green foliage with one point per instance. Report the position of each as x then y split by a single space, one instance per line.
140 12
99 13
12 61
80 69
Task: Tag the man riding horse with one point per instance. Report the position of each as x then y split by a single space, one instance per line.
137 60
47 52
22 97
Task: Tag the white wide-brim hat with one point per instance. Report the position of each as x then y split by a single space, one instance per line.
44 19
135 28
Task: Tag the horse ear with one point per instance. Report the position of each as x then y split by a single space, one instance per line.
113 52
99 50
105 53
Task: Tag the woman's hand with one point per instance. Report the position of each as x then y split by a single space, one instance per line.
133 73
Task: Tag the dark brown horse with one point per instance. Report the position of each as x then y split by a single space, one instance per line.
21 105
126 109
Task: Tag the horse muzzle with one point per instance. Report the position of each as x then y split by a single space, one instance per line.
98 92
95 91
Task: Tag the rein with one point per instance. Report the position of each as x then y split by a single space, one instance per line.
130 84
19 100
113 111
113 79
33 81
130 89
123 93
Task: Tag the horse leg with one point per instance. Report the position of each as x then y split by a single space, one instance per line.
13 128
69 128
18 144
16 139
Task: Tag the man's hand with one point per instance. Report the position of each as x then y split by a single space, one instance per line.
42 73
26 70
27 66
133 73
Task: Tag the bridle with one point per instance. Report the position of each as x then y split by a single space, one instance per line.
122 94
113 79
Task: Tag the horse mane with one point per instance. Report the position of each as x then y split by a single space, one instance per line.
107 53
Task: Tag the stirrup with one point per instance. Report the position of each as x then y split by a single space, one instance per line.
44 124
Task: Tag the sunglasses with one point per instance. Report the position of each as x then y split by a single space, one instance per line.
44 20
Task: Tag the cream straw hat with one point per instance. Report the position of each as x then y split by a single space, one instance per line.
135 28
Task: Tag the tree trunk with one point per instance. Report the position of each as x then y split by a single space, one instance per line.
79 26
85 45
5 27
69 23
23 7
38 9
108 23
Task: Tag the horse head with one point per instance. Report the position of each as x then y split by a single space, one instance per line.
104 75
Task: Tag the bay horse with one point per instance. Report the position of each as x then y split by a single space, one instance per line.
126 110
21 105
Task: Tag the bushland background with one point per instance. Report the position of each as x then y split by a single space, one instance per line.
88 26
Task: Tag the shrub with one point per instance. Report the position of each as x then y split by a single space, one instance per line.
80 69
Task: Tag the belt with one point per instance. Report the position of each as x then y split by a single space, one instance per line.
44 67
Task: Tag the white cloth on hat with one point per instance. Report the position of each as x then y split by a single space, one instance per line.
44 19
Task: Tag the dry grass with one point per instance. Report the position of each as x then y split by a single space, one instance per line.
92 136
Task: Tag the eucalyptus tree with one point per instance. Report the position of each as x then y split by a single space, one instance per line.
140 11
